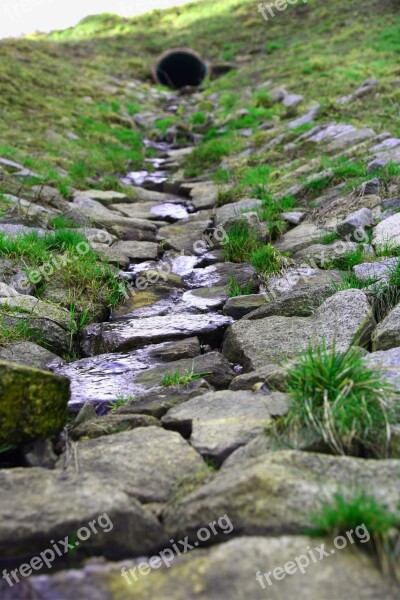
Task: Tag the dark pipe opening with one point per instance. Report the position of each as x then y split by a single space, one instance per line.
179 67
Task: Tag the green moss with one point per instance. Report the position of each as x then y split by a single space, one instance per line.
33 403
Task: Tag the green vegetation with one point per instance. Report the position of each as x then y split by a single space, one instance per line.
235 289
336 396
120 400
209 153
375 528
327 238
19 332
177 378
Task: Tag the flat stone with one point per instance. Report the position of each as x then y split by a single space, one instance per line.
204 196
301 302
104 197
296 278
220 422
298 238
111 423
205 299
388 364
68 501
137 250
148 462
187 235
6 291
293 217
29 354
268 377
239 306
235 209
128 335
322 255
348 140
224 570
13 229
278 493
391 202
339 320
220 274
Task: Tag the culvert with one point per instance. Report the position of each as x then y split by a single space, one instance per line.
179 67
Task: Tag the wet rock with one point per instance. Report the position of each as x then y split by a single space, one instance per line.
225 570
298 238
153 301
148 462
356 221
387 333
214 368
111 423
29 354
111 337
300 302
168 211
220 274
387 232
52 494
239 306
205 299
137 251
339 320
33 403
219 422
170 351
279 492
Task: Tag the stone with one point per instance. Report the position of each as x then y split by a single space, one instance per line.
29 354
104 197
109 424
348 140
99 338
67 501
367 87
33 403
298 238
147 462
293 217
322 255
356 221
271 376
339 321
370 187
308 117
224 570
376 270
279 492
387 362
220 274
387 232
220 422
391 203
187 235
387 333
205 299
137 251
250 221
375 165
239 306
6 291
234 209
296 278
204 195
301 302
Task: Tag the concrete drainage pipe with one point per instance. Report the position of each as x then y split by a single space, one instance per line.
179 67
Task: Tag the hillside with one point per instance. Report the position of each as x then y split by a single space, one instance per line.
199 307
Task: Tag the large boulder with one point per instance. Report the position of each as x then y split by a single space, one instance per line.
33 403
342 320
387 232
387 334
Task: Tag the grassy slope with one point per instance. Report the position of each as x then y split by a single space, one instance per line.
322 50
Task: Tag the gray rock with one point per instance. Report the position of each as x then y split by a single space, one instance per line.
248 220
387 232
376 164
391 203
104 197
111 423
387 333
370 187
225 570
293 217
205 299
148 462
348 140
68 501
376 270
279 492
339 320
387 362
296 278
271 376
298 238
239 306
186 235
307 118
111 337
14 229
301 302
29 354
235 209
137 250
220 422
204 195
367 87
6 291
322 255
356 221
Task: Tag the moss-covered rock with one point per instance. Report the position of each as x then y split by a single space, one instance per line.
33 403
